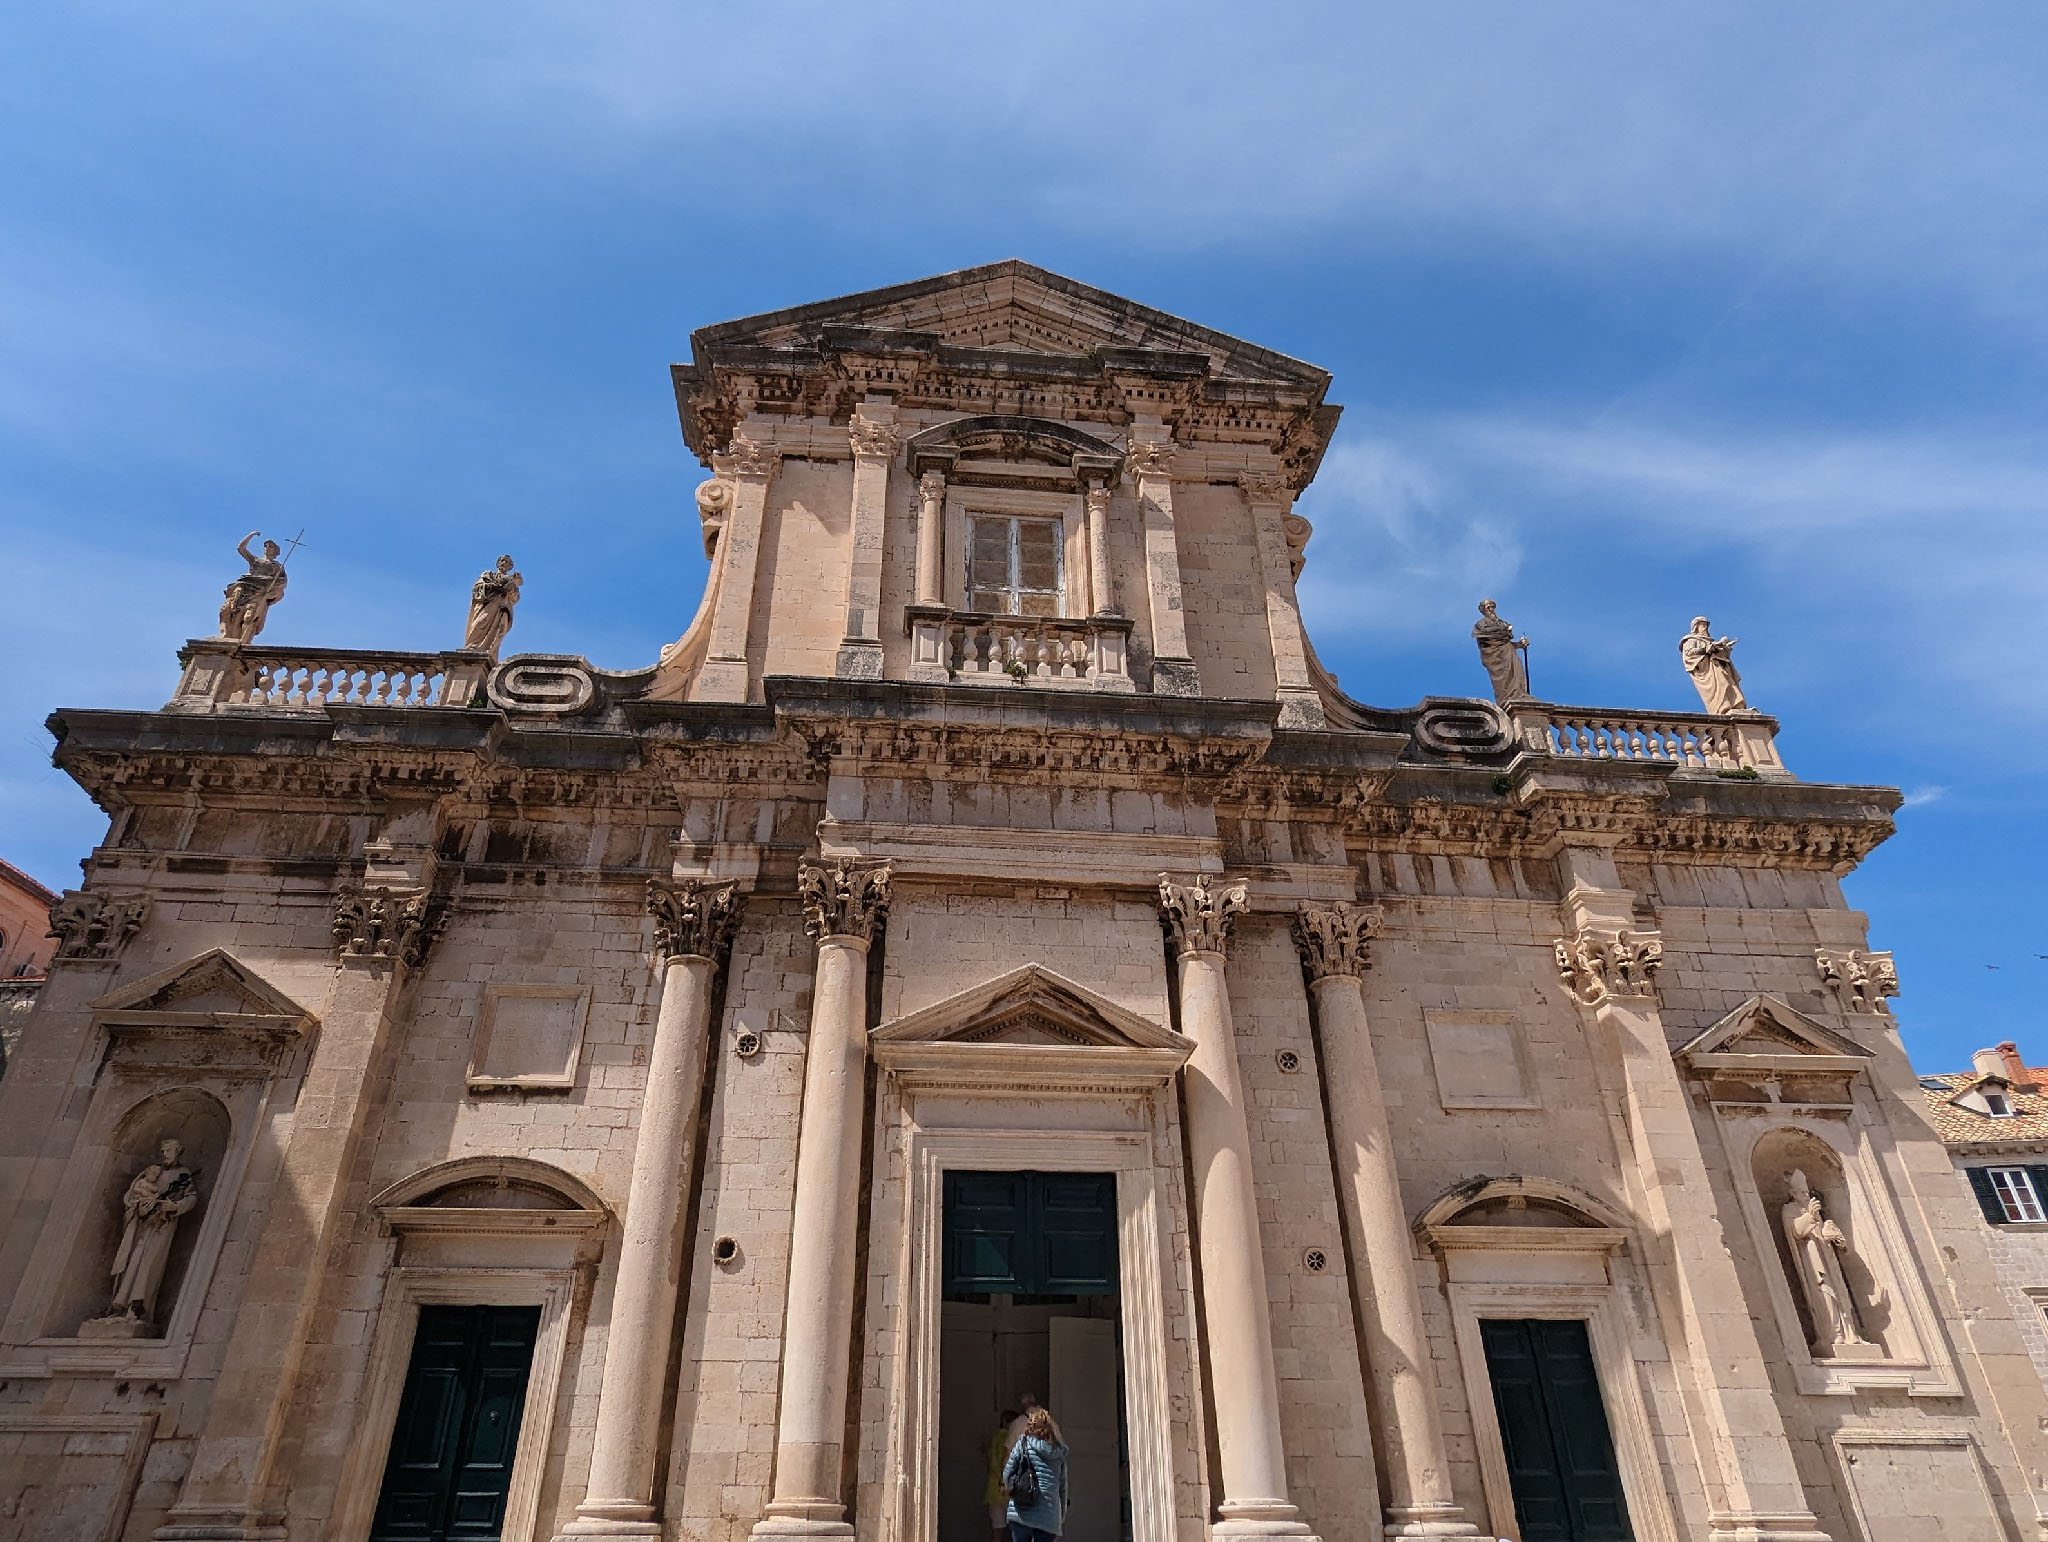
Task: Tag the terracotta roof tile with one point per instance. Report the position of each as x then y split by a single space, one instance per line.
1965 1127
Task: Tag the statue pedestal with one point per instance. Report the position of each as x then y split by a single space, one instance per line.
1855 1352
117 1325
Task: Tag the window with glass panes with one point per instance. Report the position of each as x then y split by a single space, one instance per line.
1015 565
2014 1187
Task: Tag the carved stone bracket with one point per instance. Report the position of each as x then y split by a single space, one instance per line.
1197 915
872 440
1297 531
1860 980
1596 970
383 923
94 926
692 918
1336 939
846 898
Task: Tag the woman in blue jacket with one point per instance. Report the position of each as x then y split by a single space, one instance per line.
1045 1454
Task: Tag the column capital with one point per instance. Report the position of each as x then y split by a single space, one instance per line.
1198 915
746 457
1336 939
931 482
375 922
95 926
1597 967
1265 487
873 439
844 898
692 918
1149 458
1860 980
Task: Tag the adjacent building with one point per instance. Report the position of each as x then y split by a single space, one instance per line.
26 944
985 954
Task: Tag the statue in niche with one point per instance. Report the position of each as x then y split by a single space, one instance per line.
156 1200
1505 656
1710 660
1819 1255
246 603
491 600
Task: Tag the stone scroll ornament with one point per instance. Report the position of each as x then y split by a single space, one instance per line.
692 918
1336 939
1197 915
155 1201
1820 1252
1505 656
1710 660
94 926
1860 980
848 897
491 599
383 923
1595 971
246 602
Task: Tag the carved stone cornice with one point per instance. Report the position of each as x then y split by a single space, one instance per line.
844 898
1596 969
1336 939
1197 915
692 918
93 927
872 440
1860 981
380 923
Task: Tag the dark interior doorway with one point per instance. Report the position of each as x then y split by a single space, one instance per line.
1553 1424
450 1467
1031 1305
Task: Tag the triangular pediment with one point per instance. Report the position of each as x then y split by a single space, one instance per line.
1032 1007
1766 1031
214 984
1012 307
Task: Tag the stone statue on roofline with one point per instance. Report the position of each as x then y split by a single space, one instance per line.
1710 660
246 603
491 599
1505 656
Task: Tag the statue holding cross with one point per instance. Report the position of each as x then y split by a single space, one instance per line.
245 606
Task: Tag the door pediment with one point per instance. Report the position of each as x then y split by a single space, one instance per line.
1765 1034
212 990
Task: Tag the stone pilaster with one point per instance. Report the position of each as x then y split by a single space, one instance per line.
693 926
748 464
1236 1315
931 537
1101 597
1609 965
875 440
1335 943
1270 500
844 906
1150 464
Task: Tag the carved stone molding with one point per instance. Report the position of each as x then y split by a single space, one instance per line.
1297 531
383 923
1198 915
94 926
1336 939
692 918
845 898
1596 970
1264 486
1859 980
872 440
1149 459
745 457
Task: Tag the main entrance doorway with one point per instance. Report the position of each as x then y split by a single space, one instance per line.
450 1467
1031 1306
1560 1452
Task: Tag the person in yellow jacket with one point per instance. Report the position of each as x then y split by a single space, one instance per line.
994 1495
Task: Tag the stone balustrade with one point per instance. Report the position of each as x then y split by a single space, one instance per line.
1696 741
220 674
967 647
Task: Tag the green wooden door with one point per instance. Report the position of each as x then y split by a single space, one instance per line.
450 1467
1560 1452
1030 1234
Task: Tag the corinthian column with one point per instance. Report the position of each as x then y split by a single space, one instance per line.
931 514
1335 942
693 924
1239 1329
844 904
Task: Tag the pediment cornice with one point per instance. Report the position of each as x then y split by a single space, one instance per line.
1765 1036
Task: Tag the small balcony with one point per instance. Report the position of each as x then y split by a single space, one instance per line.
972 648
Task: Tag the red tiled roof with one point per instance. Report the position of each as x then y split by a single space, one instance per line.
1959 1126
9 873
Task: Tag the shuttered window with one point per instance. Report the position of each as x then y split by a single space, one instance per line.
2010 1194
1015 566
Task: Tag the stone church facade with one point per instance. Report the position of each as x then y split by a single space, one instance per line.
986 954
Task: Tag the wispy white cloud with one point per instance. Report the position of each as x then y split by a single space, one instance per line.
1922 796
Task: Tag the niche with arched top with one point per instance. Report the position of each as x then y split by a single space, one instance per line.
200 1123
1776 1156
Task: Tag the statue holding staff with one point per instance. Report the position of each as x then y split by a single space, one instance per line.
245 606
1505 656
491 599
1710 660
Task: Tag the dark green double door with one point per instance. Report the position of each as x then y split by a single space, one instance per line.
1553 1425
450 1467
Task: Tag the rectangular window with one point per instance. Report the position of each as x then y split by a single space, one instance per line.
1015 566
2014 1187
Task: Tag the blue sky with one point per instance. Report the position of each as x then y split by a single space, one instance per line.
1636 312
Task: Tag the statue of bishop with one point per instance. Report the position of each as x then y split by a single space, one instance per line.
155 1201
1818 1250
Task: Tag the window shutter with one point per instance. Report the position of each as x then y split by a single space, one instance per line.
2040 1177
1987 1197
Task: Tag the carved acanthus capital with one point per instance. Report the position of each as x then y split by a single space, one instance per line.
94 926
846 898
1336 939
1098 499
376 922
872 440
1860 980
746 457
1594 969
1265 487
931 486
1198 915
692 918
1149 458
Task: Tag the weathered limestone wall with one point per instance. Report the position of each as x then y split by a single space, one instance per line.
1228 634
799 611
